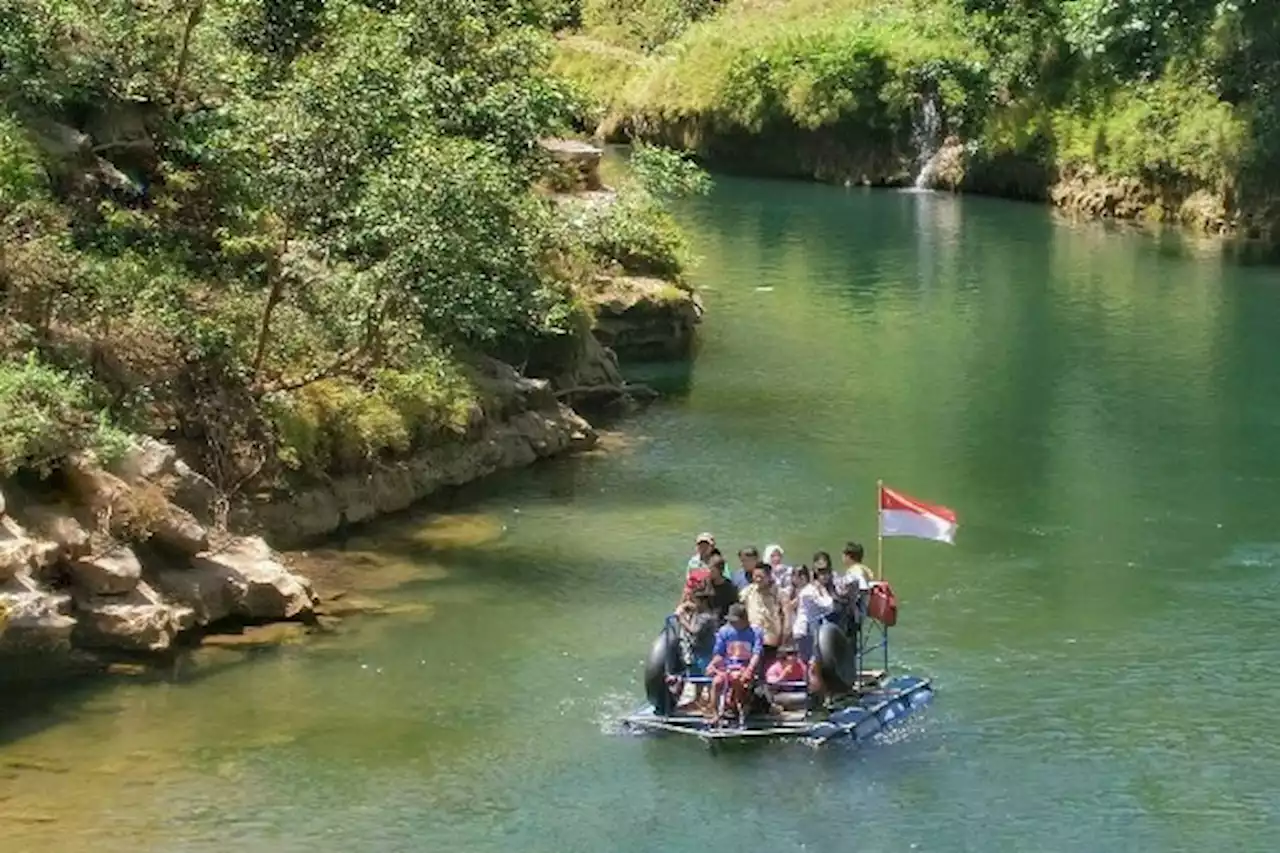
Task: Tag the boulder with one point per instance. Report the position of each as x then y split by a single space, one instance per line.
113 572
60 527
645 318
193 491
98 490
146 459
242 579
577 163
140 621
17 549
33 615
178 530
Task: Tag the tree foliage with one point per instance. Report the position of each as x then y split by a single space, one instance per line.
244 223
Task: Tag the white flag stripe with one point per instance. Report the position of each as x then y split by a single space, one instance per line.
903 522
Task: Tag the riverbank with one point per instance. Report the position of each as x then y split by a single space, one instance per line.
932 94
142 553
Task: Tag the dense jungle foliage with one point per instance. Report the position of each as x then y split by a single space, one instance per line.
280 232
1180 96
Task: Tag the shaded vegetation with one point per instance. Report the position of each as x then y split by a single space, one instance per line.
282 234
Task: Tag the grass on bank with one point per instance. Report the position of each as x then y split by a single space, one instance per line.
1102 96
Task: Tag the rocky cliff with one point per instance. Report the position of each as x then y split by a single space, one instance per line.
101 559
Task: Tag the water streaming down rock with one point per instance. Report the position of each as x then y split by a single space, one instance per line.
927 137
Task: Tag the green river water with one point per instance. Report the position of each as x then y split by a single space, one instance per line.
1102 409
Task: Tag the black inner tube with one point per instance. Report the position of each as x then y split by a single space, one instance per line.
836 658
664 659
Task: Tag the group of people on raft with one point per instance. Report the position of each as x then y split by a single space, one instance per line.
761 619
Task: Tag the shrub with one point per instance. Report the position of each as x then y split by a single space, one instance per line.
636 233
46 414
338 425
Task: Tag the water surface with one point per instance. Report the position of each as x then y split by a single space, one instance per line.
1099 405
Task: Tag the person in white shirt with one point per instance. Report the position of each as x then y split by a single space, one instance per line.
815 602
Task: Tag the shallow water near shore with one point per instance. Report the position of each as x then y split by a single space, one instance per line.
1101 408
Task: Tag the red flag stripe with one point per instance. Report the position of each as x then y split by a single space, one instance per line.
889 499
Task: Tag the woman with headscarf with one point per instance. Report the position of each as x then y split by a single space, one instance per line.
780 571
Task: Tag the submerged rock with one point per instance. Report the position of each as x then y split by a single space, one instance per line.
255 636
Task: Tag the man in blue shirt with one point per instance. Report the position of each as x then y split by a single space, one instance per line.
735 660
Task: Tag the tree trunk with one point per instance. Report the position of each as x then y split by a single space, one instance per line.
194 14
275 279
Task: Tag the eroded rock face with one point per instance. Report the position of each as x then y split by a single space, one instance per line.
518 441
243 578
578 163
34 616
645 318
113 572
138 621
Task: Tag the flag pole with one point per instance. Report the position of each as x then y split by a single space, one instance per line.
879 532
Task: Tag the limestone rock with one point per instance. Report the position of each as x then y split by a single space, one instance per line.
577 162
33 615
645 318
114 572
17 549
147 459
139 621
519 440
243 579
193 491
98 490
178 529
59 525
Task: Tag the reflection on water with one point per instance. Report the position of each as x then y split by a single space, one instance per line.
1095 403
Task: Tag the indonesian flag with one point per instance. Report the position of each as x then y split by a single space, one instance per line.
904 516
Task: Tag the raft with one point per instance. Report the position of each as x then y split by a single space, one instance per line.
881 703
861 702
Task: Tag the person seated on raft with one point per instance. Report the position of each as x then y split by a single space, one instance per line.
764 610
735 660
788 668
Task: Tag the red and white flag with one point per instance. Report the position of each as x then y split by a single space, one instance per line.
905 516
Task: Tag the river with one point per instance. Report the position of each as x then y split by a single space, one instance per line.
1100 406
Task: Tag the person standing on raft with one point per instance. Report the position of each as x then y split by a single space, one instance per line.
702 548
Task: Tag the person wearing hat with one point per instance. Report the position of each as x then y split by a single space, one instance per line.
702 548
735 661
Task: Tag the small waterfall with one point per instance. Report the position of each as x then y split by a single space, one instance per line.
927 137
